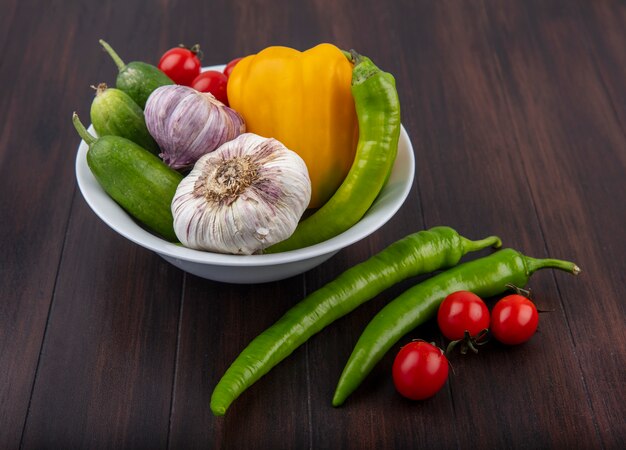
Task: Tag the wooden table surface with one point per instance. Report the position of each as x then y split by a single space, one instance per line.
517 114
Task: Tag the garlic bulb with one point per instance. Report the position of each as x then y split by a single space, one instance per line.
188 124
245 196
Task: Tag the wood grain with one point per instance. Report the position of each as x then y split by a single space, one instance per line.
37 185
109 352
215 325
517 115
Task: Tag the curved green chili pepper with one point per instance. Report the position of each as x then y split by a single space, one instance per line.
378 113
417 253
485 277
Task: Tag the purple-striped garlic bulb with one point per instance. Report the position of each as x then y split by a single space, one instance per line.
245 196
188 124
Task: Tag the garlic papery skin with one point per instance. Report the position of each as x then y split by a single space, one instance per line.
188 124
248 194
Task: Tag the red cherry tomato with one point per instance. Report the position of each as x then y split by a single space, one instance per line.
181 64
230 66
461 311
420 370
214 82
514 319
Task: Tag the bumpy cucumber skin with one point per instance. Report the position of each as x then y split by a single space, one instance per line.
139 79
137 180
113 112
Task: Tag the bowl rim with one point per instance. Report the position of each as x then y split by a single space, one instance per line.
401 180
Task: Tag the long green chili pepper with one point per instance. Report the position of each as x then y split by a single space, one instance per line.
415 254
485 277
378 113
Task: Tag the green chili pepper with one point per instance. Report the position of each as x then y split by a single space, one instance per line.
378 113
485 277
417 253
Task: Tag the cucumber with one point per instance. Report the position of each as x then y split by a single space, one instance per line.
137 79
136 179
113 112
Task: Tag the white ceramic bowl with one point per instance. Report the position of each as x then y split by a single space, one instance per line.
252 268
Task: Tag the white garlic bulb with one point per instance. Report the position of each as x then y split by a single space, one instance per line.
245 196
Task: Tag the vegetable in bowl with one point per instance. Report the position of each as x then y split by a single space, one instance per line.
247 268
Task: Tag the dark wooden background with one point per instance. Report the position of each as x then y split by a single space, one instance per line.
517 112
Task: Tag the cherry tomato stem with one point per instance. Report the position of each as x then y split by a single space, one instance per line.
469 342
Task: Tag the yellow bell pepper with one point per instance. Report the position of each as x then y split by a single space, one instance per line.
304 100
